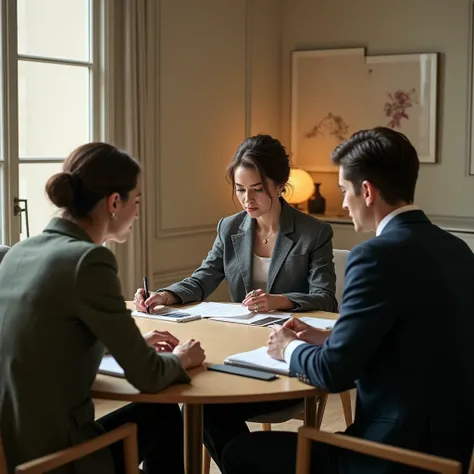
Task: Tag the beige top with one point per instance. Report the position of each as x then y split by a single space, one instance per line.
261 266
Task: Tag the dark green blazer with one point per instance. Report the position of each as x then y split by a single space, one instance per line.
60 305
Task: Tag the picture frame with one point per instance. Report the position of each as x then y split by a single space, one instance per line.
337 92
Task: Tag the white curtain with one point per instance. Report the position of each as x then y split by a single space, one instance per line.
132 29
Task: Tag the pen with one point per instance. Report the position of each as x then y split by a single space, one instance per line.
147 293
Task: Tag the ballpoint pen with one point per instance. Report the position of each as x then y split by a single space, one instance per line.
147 293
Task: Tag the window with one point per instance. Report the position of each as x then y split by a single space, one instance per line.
53 70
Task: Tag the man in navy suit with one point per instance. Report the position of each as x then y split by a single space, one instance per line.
404 338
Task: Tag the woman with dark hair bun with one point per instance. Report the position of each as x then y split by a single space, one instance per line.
272 256
61 306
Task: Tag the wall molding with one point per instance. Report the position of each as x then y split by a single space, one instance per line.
457 224
186 231
163 279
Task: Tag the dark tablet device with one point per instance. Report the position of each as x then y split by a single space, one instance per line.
243 372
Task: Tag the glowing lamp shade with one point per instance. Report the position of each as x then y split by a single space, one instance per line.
301 186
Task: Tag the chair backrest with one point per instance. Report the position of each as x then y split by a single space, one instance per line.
3 250
126 433
340 260
371 448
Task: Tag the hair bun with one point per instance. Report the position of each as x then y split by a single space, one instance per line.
60 190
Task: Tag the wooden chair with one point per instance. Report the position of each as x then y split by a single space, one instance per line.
382 451
126 432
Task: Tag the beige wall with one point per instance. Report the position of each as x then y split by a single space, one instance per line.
387 27
219 82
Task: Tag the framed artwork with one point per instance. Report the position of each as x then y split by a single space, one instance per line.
338 92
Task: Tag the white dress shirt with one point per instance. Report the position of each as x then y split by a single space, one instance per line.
396 212
289 349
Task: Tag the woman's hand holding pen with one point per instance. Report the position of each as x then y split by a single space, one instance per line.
161 298
259 301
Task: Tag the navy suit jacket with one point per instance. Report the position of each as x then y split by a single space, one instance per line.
405 338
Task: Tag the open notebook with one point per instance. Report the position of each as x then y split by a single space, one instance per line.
258 359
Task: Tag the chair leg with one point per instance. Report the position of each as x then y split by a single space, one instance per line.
321 407
347 407
206 461
266 426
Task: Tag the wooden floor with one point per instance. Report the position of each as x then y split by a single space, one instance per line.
333 418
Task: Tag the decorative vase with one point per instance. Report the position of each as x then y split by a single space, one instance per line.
317 203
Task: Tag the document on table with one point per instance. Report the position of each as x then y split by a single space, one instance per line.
167 313
258 359
109 366
220 310
235 313
319 323
258 319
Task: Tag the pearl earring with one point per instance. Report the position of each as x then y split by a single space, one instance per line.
113 216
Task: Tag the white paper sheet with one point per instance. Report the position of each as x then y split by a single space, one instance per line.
168 314
258 319
110 366
320 323
259 359
220 310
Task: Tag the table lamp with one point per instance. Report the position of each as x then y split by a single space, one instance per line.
301 187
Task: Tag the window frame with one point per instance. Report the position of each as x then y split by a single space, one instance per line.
10 59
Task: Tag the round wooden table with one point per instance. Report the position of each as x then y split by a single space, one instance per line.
219 339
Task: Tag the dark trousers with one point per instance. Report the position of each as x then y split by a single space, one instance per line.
159 436
274 452
224 422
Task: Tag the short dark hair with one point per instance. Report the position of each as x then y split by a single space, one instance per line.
266 155
384 157
90 173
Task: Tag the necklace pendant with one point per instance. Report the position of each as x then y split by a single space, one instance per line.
265 241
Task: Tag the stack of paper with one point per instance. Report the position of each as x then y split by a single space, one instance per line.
259 359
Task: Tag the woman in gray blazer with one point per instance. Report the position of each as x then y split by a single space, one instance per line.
60 305
273 257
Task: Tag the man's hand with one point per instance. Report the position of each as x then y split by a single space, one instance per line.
307 333
278 339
